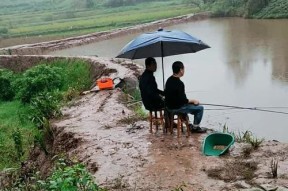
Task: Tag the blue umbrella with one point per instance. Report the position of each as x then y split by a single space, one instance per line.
160 44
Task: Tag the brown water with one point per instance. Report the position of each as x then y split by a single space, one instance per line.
247 66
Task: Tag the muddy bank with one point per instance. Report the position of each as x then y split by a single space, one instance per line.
62 141
44 47
125 156
129 158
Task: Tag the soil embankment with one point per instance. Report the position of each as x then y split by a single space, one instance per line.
128 157
44 47
125 156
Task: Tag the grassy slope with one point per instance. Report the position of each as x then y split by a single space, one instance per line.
13 115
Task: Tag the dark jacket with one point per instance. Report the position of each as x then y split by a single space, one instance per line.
149 91
175 96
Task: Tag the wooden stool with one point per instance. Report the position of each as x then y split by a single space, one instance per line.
181 118
153 118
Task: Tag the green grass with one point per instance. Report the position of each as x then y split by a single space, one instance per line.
97 23
12 116
69 21
76 74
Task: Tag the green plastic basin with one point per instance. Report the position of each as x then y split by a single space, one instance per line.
217 144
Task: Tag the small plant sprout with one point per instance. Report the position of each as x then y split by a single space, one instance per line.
17 137
255 142
180 187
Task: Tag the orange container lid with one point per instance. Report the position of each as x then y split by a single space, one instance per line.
105 83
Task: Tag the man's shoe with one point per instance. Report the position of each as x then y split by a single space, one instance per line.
198 129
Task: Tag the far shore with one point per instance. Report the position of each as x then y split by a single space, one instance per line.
44 47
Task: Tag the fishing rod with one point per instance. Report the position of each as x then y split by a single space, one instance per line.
228 106
248 108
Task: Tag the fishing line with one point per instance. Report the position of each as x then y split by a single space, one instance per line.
246 108
230 107
272 107
209 109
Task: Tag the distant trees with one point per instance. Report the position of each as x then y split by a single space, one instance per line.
3 30
90 3
253 6
208 1
118 3
232 7
198 3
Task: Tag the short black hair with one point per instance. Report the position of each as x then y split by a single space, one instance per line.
176 66
149 61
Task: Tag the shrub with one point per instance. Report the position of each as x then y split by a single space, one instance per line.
66 175
45 106
6 90
253 6
17 137
36 80
76 74
74 177
3 30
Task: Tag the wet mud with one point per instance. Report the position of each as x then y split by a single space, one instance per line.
128 157
125 156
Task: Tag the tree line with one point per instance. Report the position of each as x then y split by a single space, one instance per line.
235 7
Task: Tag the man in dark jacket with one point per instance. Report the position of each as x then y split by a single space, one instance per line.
151 95
176 100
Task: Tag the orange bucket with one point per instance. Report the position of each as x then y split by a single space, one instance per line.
105 83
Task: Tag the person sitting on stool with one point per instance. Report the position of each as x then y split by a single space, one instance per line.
176 100
150 94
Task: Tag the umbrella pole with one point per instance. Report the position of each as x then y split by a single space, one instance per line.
162 64
163 72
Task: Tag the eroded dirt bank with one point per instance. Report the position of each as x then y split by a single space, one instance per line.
125 156
128 157
44 47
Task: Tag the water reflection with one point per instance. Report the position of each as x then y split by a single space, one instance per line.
246 66
256 41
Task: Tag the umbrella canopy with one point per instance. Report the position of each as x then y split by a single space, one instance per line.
160 44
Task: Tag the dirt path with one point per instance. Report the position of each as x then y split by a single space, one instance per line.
127 157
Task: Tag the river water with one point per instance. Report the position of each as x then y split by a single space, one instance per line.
247 66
